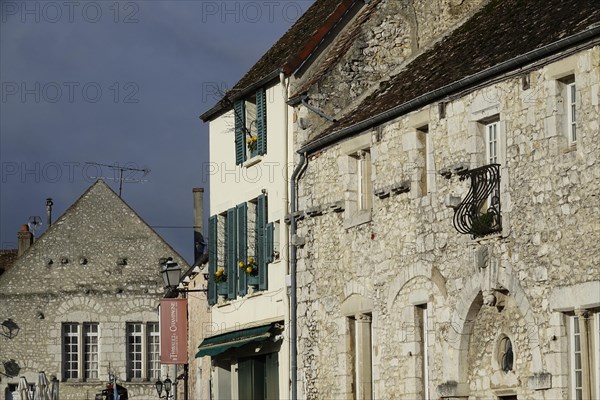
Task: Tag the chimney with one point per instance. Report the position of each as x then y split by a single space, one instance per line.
49 205
199 244
25 239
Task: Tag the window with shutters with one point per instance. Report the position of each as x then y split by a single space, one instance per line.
247 242
250 127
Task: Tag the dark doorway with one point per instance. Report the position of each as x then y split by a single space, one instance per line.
258 378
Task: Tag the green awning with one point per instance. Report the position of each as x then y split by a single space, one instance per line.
218 344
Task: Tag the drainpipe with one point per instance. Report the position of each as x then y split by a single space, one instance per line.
293 263
286 196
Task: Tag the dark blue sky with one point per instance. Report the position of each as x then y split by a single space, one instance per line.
120 84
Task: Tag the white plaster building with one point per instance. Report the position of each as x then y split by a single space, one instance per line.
249 153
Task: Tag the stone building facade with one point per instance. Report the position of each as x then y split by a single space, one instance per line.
449 214
85 296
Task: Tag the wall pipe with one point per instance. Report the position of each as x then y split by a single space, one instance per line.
293 264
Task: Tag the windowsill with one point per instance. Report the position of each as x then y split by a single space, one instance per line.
137 380
252 161
571 147
495 235
359 218
225 303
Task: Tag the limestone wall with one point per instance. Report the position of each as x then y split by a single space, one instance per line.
391 32
76 273
409 253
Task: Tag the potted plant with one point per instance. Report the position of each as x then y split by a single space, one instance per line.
252 143
483 223
251 270
221 281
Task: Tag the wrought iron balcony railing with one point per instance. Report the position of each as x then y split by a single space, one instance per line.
479 212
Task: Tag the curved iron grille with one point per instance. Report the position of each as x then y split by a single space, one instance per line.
479 212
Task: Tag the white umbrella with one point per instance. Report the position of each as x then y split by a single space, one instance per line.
41 392
23 389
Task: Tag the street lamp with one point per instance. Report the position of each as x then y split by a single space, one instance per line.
167 385
10 329
171 274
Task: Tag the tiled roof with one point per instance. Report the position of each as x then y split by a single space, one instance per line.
292 48
499 32
339 48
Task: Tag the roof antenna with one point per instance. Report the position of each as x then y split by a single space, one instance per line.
49 205
116 167
34 223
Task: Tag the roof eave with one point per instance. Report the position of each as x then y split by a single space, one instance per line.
427 98
223 106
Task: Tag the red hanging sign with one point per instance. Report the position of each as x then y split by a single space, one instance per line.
173 331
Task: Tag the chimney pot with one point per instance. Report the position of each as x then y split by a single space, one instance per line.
25 239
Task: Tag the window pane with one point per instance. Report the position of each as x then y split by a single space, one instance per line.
90 338
576 362
153 351
134 350
70 350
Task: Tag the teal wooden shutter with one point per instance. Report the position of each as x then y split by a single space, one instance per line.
270 230
242 240
261 121
261 224
212 259
240 131
231 255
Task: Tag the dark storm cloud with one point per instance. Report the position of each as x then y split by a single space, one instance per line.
124 86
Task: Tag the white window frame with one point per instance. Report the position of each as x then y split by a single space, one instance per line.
492 142
573 356
70 371
363 363
358 187
144 348
86 367
91 351
250 109
364 189
424 318
153 350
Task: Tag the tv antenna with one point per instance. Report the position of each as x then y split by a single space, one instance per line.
34 223
146 171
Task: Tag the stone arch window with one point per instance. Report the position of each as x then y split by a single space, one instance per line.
504 354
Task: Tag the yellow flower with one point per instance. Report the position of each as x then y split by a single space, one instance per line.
250 260
249 270
248 141
254 138
241 264
219 272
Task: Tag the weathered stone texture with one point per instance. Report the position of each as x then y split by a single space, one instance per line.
393 32
103 230
549 214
